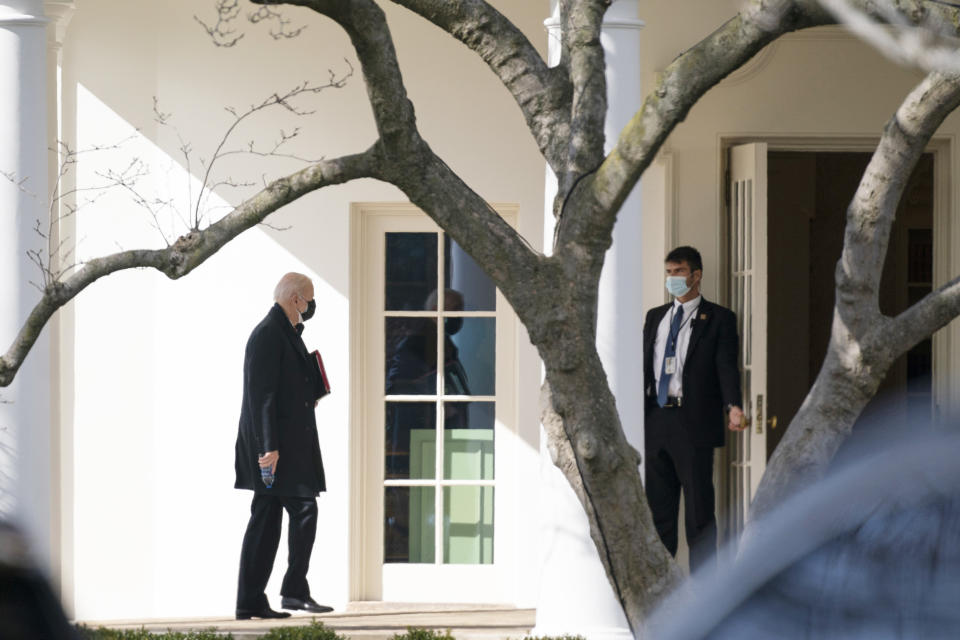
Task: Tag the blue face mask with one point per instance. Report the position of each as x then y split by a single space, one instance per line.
677 286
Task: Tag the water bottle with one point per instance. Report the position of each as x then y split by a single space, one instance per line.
266 474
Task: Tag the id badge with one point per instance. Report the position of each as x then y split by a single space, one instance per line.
670 365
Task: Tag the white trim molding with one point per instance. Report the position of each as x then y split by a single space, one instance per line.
59 13
756 65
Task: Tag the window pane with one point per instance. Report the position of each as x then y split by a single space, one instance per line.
464 276
469 357
468 446
411 440
409 524
411 270
468 525
411 356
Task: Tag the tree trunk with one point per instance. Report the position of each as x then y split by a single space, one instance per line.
845 384
588 445
864 343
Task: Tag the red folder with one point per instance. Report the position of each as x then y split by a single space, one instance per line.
324 388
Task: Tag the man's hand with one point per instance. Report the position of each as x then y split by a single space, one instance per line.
735 417
269 459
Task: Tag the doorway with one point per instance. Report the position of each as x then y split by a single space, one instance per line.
433 416
785 215
808 194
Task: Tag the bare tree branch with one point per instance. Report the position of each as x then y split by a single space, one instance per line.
68 159
863 343
224 34
412 166
126 181
19 183
507 258
581 21
871 213
542 93
275 227
928 315
924 39
188 251
220 31
681 85
45 261
198 206
186 150
282 30
251 149
367 28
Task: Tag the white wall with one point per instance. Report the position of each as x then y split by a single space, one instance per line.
157 525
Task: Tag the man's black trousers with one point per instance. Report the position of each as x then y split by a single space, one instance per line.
260 545
673 463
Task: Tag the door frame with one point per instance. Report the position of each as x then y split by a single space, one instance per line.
365 529
946 233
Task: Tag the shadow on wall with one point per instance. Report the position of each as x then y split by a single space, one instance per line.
133 191
871 551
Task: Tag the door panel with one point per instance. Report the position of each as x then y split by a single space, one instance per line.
746 452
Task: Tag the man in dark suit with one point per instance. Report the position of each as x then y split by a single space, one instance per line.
691 374
278 433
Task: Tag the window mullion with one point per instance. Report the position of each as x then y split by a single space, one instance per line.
438 474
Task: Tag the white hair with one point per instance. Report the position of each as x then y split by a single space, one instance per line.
290 284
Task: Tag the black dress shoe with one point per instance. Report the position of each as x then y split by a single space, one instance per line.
266 612
306 604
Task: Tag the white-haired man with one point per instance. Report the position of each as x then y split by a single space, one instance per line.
278 432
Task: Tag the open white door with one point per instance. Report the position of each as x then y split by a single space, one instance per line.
747 450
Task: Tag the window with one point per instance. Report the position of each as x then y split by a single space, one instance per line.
433 423
440 402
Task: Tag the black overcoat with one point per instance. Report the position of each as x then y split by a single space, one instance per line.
279 394
711 373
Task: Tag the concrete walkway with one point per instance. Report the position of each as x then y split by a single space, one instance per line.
366 621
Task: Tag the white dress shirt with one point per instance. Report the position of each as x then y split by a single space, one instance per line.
690 308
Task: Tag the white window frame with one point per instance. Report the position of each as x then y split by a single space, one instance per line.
427 582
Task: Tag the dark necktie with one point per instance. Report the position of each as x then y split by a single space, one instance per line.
670 351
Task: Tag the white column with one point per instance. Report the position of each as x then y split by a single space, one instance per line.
620 312
575 596
25 419
62 236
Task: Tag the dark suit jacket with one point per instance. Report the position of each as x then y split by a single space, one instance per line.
279 392
711 374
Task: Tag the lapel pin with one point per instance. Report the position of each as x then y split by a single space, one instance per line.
703 316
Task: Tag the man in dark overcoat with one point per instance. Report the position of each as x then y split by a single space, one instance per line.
692 380
278 437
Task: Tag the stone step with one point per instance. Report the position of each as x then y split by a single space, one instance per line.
365 621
